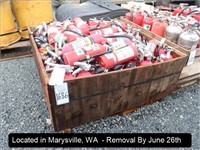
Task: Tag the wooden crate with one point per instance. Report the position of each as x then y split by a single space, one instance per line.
106 94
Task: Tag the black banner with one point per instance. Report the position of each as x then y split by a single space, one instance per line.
100 140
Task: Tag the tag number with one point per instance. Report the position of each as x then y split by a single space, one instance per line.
62 95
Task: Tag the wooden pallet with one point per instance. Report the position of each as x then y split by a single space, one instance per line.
190 74
18 50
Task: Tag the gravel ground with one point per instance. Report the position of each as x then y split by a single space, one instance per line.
23 109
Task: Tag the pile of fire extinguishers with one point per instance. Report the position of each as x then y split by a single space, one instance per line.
180 25
96 46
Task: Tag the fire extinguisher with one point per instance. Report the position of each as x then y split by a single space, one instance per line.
195 14
118 57
94 23
165 55
147 22
105 31
117 41
152 45
197 17
82 25
52 31
84 74
78 54
159 27
179 9
82 42
145 57
138 17
129 16
188 10
72 36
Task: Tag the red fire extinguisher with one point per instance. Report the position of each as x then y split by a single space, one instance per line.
77 54
129 16
152 45
82 25
105 31
119 56
188 10
72 36
145 62
147 23
138 17
52 31
99 23
159 27
179 9
197 17
82 42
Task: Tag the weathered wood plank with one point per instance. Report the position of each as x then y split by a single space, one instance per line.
19 44
191 69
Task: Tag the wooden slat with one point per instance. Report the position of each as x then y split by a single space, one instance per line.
189 82
43 75
16 55
191 69
17 45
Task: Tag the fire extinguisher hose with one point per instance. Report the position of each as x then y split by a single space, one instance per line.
182 11
96 55
118 25
122 36
194 12
83 35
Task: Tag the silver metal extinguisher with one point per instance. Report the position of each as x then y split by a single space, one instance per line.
189 38
173 30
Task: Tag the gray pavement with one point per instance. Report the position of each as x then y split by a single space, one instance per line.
23 109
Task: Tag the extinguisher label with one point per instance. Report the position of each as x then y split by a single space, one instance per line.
147 26
124 53
95 47
79 51
81 43
86 42
117 45
61 94
109 56
92 47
